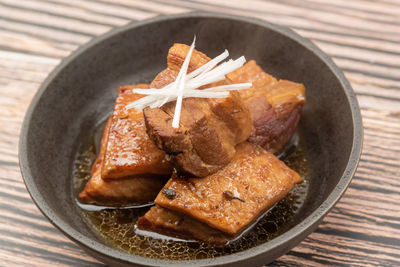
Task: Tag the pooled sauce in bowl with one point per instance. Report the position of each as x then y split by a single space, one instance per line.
116 227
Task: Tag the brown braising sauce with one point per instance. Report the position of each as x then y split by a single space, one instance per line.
117 226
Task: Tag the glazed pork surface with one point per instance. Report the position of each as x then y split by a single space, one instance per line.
129 150
228 200
209 128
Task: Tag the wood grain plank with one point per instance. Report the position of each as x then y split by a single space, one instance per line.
371 7
292 17
65 11
109 9
52 21
144 5
43 33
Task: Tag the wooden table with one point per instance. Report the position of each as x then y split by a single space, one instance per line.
362 37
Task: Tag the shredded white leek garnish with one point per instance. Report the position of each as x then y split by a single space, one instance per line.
187 84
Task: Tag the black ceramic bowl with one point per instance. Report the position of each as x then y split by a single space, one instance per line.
80 92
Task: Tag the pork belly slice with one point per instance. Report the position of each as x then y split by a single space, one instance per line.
116 192
141 188
275 106
205 141
209 128
229 200
175 224
123 191
129 150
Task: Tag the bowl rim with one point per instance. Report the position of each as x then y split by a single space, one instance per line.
295 234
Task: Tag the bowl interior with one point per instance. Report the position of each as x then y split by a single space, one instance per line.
81 92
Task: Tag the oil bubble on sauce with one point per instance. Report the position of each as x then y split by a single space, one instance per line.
116 227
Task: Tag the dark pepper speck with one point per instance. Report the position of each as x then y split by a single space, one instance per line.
169 193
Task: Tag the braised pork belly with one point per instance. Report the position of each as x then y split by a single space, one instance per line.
209 128
137 168
176 224
228 200
275 106
225 175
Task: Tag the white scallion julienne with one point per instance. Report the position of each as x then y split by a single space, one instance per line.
181 86
187 84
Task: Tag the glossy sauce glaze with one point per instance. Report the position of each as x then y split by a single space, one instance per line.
116 227
129 149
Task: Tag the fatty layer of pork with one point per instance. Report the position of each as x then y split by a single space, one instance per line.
275 106
209 128
172 223
227 201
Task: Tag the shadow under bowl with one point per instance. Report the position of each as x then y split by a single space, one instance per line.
80 92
